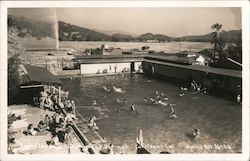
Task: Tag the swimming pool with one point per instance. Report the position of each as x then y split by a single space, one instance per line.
219 120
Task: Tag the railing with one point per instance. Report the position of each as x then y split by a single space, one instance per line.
84 140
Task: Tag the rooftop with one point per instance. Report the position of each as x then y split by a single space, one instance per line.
221 71
33 75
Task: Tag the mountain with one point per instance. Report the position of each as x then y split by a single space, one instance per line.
231 36
122 37
70 32
76 33
196 38
112 32
158 37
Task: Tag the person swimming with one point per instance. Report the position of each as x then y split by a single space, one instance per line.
162 103
132 108
124 101
171 108
173 116
118 100
184 89
238 98
165 98
181 94
106 88
196 133
118 90
152 100
94 103
92 121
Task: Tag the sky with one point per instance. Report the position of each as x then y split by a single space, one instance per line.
169 21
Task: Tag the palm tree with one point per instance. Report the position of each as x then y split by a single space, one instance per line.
216 38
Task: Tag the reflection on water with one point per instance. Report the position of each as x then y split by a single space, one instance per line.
219 120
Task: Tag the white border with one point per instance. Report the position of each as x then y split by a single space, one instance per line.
60 4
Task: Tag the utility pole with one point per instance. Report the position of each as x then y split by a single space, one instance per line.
228 42
180 46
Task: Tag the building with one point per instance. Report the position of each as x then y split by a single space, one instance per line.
109 64
32 80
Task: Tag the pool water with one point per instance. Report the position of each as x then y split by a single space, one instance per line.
219 120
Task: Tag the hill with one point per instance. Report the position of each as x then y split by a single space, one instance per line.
70 32
232 36
122 37
76 33
156 37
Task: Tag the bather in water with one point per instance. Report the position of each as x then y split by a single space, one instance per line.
118 90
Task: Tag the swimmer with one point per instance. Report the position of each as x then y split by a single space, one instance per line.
184 89
118 100
162 103
156 102
132 108
152 100
238 98
118 90
95 127
94 103
92 121
171 108
173 116
165 98
124 101
156 93
196 133
181 94
105 88
146 99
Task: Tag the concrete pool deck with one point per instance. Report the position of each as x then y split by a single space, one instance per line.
37 144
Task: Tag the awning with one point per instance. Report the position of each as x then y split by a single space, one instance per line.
34 75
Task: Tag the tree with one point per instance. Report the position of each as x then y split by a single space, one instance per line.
15 58
217 41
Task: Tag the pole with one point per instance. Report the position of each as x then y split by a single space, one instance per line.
227 42
59 90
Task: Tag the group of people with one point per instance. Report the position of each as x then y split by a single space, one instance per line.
58 124
194 86
49 101
160 98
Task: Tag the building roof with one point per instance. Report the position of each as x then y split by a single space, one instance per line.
33 75
221 71
92 59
